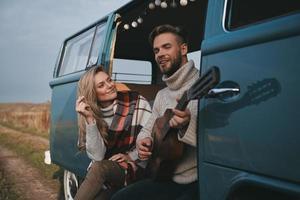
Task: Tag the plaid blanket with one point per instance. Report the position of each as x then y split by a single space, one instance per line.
124 129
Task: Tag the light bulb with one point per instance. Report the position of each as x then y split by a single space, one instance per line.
140 20
151 6
183 2
134 24
164 4
157 2
126 26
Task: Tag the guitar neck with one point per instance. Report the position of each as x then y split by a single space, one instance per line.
182 103
198 90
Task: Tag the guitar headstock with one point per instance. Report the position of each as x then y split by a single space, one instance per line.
204 83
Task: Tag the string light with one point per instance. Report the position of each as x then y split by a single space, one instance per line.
157 2
126 26
140 20
151 6
183 2
164 4
134 24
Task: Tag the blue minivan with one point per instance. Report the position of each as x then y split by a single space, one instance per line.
248 145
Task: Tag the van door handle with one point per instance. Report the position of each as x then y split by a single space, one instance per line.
218 92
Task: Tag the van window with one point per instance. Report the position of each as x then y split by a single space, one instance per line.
132 71
96 44
196 57
242 13
76 53
78 50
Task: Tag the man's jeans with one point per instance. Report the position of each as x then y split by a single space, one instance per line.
149 190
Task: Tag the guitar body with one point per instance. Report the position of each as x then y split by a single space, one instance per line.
167 149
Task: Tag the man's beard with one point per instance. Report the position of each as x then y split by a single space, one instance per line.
175 65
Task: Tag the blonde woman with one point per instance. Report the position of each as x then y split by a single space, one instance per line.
109 122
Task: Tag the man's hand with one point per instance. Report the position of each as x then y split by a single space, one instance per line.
180 118
144 147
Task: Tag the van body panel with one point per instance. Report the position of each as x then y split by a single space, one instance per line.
252 133
64 127
228 180
64 130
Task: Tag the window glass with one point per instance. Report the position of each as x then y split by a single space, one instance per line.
241 13
97 44
76 52
196 57
132 71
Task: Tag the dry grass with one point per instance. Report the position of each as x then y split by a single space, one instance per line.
26 123
7 187
33 118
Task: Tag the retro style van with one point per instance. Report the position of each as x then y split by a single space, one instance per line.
248 139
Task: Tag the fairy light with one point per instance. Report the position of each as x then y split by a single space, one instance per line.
140 20
126 26
183 2
151 6
164 4
134 24
157 2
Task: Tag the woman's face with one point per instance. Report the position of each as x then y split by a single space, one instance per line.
105 89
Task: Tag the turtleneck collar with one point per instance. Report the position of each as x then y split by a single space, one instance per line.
107 110
180 77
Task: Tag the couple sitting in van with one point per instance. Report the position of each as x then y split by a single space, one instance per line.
111 122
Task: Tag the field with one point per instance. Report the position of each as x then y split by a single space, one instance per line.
27 117
24 136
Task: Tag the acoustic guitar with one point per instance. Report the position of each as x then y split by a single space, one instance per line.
167 149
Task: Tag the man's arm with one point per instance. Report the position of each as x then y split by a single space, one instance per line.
144 139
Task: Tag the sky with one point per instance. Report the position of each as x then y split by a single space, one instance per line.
31 34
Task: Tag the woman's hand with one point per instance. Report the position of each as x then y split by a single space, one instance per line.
84 109
120 158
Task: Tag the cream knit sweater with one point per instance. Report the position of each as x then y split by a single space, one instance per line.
180 81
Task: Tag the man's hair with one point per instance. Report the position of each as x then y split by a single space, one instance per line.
167 28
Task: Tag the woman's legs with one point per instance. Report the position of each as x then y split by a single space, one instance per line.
99 173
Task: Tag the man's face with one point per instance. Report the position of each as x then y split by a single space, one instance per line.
168 53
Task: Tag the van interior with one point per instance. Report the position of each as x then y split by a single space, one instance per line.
136 22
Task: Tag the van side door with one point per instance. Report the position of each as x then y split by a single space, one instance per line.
249 128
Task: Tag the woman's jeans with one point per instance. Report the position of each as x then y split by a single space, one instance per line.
101 172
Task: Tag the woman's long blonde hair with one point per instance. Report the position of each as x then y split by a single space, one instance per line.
86 88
